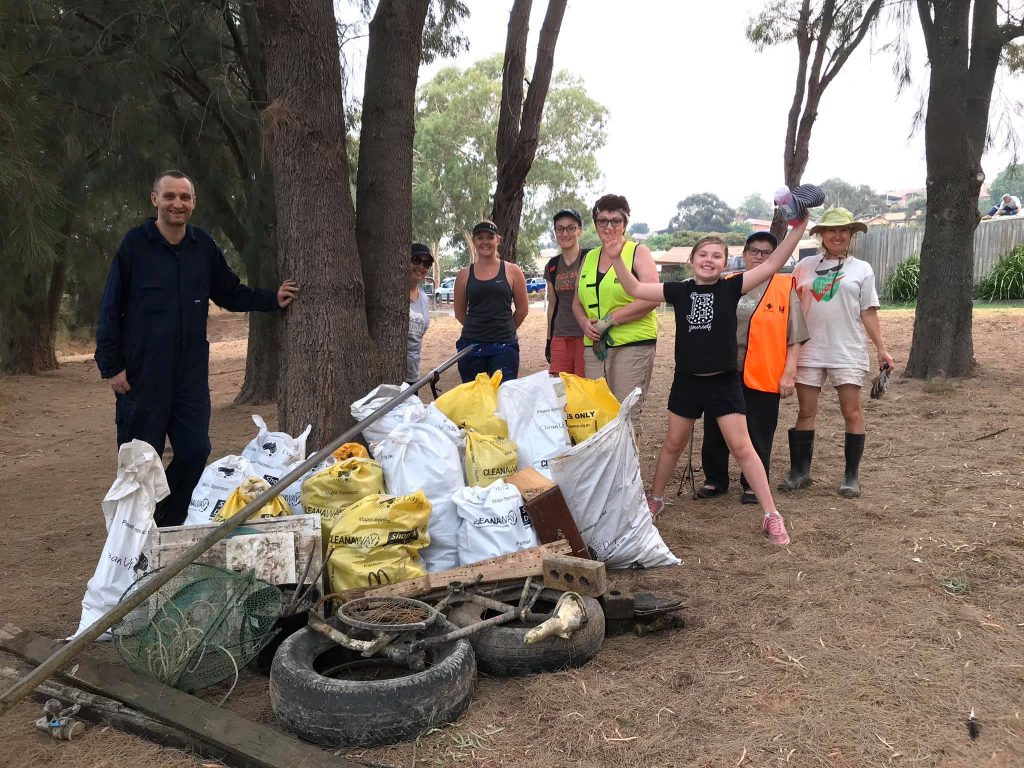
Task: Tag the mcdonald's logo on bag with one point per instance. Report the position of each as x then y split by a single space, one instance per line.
377 578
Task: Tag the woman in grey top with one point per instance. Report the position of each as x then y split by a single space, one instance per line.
419 308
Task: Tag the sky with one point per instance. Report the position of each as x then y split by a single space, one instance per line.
694 108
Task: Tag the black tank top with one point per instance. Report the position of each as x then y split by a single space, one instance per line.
489 310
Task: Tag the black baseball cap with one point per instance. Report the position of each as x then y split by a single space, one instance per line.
763 235
571 212
419 249
486 226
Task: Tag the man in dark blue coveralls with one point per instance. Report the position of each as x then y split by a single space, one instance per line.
151 344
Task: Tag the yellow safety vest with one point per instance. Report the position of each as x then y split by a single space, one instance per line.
600 299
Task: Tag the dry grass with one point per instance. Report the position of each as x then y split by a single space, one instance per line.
846 649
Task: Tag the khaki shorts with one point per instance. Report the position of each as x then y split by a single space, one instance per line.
816 377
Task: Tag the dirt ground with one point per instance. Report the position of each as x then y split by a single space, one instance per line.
866 642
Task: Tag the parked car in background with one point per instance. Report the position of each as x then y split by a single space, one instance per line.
536 285
447 290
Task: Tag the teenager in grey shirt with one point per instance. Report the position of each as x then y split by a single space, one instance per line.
419 308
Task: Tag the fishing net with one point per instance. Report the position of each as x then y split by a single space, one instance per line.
199 628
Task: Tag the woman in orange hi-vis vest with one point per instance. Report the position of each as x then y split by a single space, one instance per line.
770 328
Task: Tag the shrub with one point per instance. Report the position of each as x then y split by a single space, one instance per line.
902 285
1006 281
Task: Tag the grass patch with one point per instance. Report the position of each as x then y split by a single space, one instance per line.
957 585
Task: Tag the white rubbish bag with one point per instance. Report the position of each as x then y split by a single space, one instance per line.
407 410
128 511
432 415
536 419
417 457
218 481
274 454
600 480
494 522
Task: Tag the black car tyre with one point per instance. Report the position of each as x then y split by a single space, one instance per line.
329 695
501 651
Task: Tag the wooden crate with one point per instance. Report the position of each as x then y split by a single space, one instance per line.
279 562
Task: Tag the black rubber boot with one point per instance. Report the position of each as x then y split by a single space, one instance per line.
850 487
801 448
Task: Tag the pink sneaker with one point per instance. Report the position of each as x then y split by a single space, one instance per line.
655 506
774 527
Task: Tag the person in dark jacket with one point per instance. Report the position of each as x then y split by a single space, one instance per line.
151 343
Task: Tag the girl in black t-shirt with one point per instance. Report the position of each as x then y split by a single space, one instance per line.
706 376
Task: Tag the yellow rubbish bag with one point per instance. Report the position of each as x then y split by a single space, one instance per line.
334 488
473 405
489 458
377 541
589 405
250 488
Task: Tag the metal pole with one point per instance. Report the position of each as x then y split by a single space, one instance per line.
66 653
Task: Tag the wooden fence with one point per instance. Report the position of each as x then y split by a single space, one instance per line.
885 249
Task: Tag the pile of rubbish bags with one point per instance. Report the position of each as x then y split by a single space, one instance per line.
431 493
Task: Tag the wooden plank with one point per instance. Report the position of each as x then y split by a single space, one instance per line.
254 744
517 565
164 545
103 711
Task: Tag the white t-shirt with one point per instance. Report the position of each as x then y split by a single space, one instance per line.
833 293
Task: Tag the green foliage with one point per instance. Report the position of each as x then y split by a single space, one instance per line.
639 228
1006 281
702 211
675 274
1010 181
454 173
859 200
755 206
902 285
686 238
777 22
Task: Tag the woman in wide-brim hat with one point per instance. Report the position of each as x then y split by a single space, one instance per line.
840 302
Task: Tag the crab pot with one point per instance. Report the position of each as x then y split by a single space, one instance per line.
284 627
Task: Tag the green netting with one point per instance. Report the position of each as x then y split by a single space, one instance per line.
199 628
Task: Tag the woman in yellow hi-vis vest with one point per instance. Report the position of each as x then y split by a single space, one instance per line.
619 331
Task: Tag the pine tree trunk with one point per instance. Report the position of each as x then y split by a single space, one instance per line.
325 340
263 348
30 338
964 54
384 181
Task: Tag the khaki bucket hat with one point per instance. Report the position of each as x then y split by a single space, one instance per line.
838 217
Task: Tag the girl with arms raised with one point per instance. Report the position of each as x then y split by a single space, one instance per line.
706 377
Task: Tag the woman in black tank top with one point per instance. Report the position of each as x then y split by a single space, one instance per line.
484 294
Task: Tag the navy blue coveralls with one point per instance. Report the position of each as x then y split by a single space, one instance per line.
153 327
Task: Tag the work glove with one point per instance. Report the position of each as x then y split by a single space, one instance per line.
547 351
601 346
602 325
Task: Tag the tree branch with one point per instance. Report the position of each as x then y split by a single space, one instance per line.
843 51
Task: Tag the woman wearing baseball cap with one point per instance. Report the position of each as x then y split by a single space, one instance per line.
840 303
421 262
484 294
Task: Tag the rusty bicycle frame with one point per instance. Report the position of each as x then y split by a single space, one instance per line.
400 643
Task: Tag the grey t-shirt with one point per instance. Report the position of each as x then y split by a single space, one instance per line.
564 283
419 319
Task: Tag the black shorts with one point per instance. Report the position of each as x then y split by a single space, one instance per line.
719 395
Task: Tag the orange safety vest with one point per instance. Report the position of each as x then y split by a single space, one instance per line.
767 336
